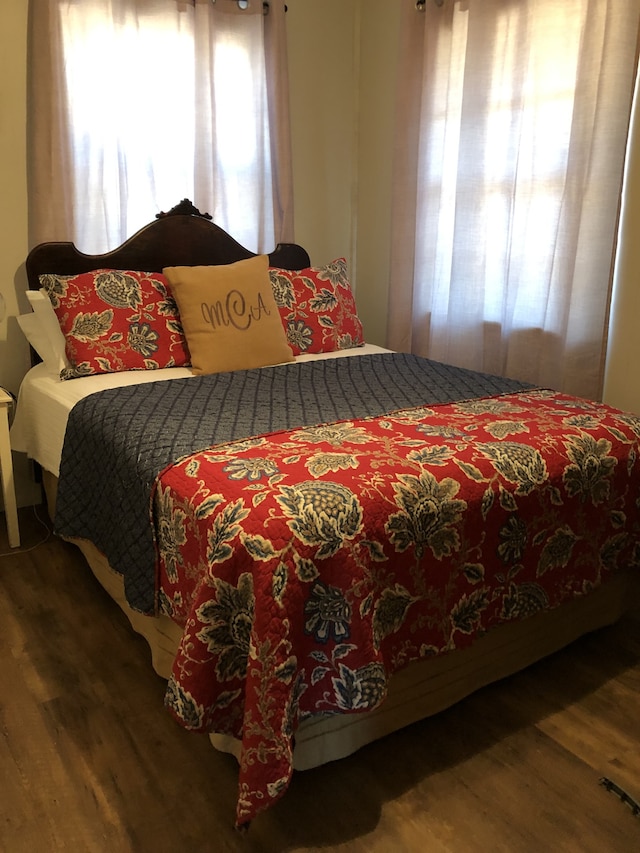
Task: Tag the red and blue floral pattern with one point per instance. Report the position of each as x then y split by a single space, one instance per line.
317 308
308 566
116 320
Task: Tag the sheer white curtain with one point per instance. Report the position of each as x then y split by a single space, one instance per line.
137 104
512 124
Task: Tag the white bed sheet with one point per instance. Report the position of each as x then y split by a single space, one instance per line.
44 402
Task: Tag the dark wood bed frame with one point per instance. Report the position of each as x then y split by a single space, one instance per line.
181 237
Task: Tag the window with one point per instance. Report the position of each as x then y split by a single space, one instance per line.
511 139
156 102
528 142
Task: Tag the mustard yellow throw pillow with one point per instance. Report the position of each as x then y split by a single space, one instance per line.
229 315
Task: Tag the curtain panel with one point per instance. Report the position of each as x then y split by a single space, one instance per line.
512 120
136 104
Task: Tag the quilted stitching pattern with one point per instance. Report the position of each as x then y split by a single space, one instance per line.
119 441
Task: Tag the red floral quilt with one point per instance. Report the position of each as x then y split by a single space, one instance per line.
308 566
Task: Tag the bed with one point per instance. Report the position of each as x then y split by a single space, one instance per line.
321 543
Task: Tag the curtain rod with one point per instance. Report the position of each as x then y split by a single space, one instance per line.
244 4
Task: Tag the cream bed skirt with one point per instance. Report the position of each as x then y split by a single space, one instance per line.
419 690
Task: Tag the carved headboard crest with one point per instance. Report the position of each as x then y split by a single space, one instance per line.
184 207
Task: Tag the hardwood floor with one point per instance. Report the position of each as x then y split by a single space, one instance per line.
90 761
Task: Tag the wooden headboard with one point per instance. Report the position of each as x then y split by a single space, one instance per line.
181 237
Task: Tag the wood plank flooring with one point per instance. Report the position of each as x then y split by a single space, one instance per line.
90 760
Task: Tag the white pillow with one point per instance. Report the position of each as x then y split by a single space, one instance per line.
39 340
43 310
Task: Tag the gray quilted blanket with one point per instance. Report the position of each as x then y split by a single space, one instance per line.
119 441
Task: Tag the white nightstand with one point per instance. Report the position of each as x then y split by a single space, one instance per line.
6 468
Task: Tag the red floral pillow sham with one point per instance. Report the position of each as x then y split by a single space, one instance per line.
116 320
317 308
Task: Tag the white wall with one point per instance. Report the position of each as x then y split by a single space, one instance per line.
379 27
342 56
14 352
622 377
322 50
